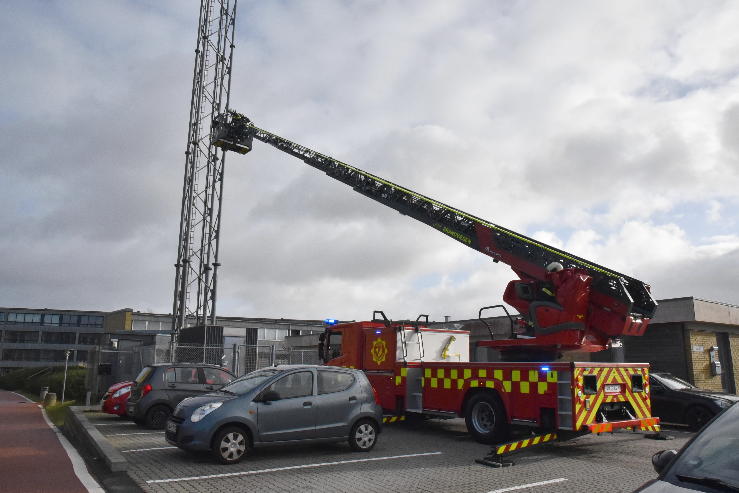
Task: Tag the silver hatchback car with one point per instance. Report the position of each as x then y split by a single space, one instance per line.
281 404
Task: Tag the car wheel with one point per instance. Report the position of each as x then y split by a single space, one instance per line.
230 445
363 436
485 418
697 417
156 417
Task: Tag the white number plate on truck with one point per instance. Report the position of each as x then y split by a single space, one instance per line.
613 389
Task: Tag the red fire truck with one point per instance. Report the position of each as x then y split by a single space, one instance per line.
566 303
426 371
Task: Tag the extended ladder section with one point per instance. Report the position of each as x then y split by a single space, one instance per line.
624 304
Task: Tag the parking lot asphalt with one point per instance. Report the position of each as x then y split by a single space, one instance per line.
432 456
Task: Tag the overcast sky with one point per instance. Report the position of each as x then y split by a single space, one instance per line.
609 129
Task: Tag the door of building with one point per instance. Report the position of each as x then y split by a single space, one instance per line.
727 364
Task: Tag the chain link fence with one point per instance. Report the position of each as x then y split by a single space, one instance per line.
113 366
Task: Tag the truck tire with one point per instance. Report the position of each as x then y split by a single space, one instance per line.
485 418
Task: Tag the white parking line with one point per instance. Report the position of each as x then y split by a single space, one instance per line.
530 485
145 449
135 433
288 468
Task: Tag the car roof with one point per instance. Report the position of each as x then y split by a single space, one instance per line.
191 365
319 367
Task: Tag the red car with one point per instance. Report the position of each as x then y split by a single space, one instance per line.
114 400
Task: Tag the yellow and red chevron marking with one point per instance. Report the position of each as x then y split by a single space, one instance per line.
392 419
586 406
643 424
536 440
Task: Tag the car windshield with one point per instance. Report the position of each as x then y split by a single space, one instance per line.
672 382
708 459
249 381
144 374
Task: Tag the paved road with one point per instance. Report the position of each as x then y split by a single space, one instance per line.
31 457
428 457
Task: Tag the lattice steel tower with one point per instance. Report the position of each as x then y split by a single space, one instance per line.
200 223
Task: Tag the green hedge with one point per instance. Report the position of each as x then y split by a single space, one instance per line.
24 379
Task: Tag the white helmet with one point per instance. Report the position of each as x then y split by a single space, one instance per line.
554 267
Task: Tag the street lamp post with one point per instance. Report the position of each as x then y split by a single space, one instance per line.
66 361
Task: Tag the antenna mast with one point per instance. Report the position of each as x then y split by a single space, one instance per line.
200 222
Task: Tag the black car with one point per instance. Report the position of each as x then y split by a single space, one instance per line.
708 462
159 388
676 401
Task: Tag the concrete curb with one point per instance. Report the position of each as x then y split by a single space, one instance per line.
84 434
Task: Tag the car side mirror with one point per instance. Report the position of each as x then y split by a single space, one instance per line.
662 459
269 396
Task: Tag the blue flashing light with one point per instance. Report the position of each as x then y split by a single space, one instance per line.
544 368
378 331
330 321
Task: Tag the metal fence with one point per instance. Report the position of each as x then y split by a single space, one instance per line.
112 366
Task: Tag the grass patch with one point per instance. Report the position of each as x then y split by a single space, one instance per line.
58 411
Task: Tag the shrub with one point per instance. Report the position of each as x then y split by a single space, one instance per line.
32 379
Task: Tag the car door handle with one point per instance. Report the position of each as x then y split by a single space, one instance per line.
171 385
209 387
352 399
307 404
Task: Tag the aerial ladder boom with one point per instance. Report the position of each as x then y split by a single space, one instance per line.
566 303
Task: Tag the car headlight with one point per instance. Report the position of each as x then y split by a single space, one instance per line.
203 411
121 391
723 402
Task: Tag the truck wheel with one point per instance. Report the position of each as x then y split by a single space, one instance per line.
697 417
363 436
230 445
485 418
156 417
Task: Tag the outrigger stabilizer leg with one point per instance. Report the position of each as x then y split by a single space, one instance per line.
495 457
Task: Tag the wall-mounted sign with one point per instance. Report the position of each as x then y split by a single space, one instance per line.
698 349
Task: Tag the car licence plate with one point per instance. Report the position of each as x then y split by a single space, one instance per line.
171 427
613 389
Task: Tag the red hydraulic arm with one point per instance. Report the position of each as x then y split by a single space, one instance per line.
567 303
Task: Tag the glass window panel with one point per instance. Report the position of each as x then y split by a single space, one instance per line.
299 384
214 376
333 381
186 375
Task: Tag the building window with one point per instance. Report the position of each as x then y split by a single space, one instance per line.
70 320
17 336
88 339
81 355
52 319
21 355
91 321
58 337
24 318
2 317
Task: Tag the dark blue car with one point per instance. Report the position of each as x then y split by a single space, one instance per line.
282 404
